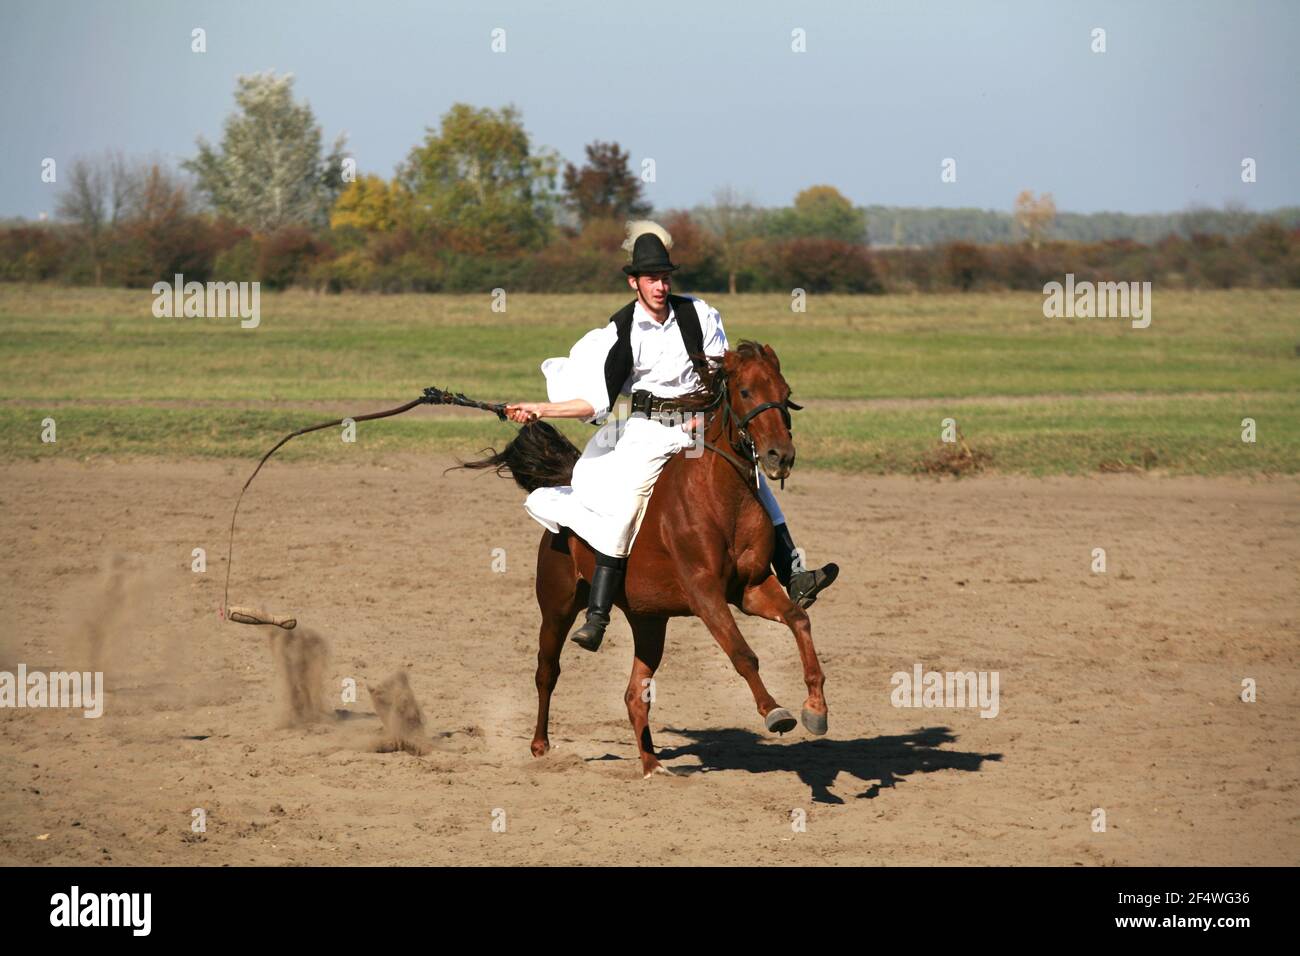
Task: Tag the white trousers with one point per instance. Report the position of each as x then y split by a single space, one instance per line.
613 480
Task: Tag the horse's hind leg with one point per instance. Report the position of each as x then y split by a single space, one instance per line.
769 600
558 598
648 635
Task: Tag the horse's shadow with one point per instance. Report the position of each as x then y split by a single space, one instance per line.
818 763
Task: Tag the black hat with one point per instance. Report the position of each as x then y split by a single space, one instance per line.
649 255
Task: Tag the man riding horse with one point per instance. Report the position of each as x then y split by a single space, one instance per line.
653 349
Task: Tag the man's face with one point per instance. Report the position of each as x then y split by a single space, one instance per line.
653 289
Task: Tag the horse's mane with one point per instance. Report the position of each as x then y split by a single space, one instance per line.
713 377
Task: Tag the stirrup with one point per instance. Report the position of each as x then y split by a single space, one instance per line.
806 585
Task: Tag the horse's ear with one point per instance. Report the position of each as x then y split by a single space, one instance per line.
730 359
771 355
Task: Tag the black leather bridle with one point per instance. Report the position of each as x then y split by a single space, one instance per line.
740 423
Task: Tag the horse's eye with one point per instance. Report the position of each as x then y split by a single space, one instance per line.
744 393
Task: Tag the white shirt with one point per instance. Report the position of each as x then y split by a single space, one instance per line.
660 362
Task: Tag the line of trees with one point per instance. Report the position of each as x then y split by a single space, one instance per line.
909 227
1266 257
476 205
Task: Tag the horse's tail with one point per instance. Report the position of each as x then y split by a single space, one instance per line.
537 457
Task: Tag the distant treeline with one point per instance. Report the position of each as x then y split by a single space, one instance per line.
1266 257
201 249
905 226
477 206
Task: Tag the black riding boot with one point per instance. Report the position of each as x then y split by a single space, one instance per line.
800 583
604 585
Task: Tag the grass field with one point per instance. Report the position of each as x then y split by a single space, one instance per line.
877 374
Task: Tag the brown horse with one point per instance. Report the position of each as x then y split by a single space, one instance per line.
705 542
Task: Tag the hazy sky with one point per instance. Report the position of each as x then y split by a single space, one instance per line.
710 90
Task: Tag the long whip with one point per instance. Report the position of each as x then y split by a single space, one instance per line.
431 396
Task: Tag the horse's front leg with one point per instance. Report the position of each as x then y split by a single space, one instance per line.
769 600
709 604
648 635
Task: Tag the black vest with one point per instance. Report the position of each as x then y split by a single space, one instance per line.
618 364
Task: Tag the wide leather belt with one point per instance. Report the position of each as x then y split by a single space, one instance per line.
653 406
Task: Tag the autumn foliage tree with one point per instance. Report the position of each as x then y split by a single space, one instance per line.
1034 216
819 212
477 184
370 205
604 187
162 234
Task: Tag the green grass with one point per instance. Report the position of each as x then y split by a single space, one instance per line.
1201 435
878 374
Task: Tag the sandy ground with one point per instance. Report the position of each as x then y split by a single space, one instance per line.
1119 691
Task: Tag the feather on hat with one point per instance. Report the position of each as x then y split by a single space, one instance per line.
648 242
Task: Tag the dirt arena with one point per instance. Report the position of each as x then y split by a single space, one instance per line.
1119 691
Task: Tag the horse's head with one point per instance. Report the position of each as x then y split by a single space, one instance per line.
760 406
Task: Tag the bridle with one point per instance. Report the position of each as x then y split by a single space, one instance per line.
745 445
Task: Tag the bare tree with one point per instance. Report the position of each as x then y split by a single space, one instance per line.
99 192
115 202
732 219
125 181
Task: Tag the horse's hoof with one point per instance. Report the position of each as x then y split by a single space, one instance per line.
814 722
540 747
780 721
658 768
